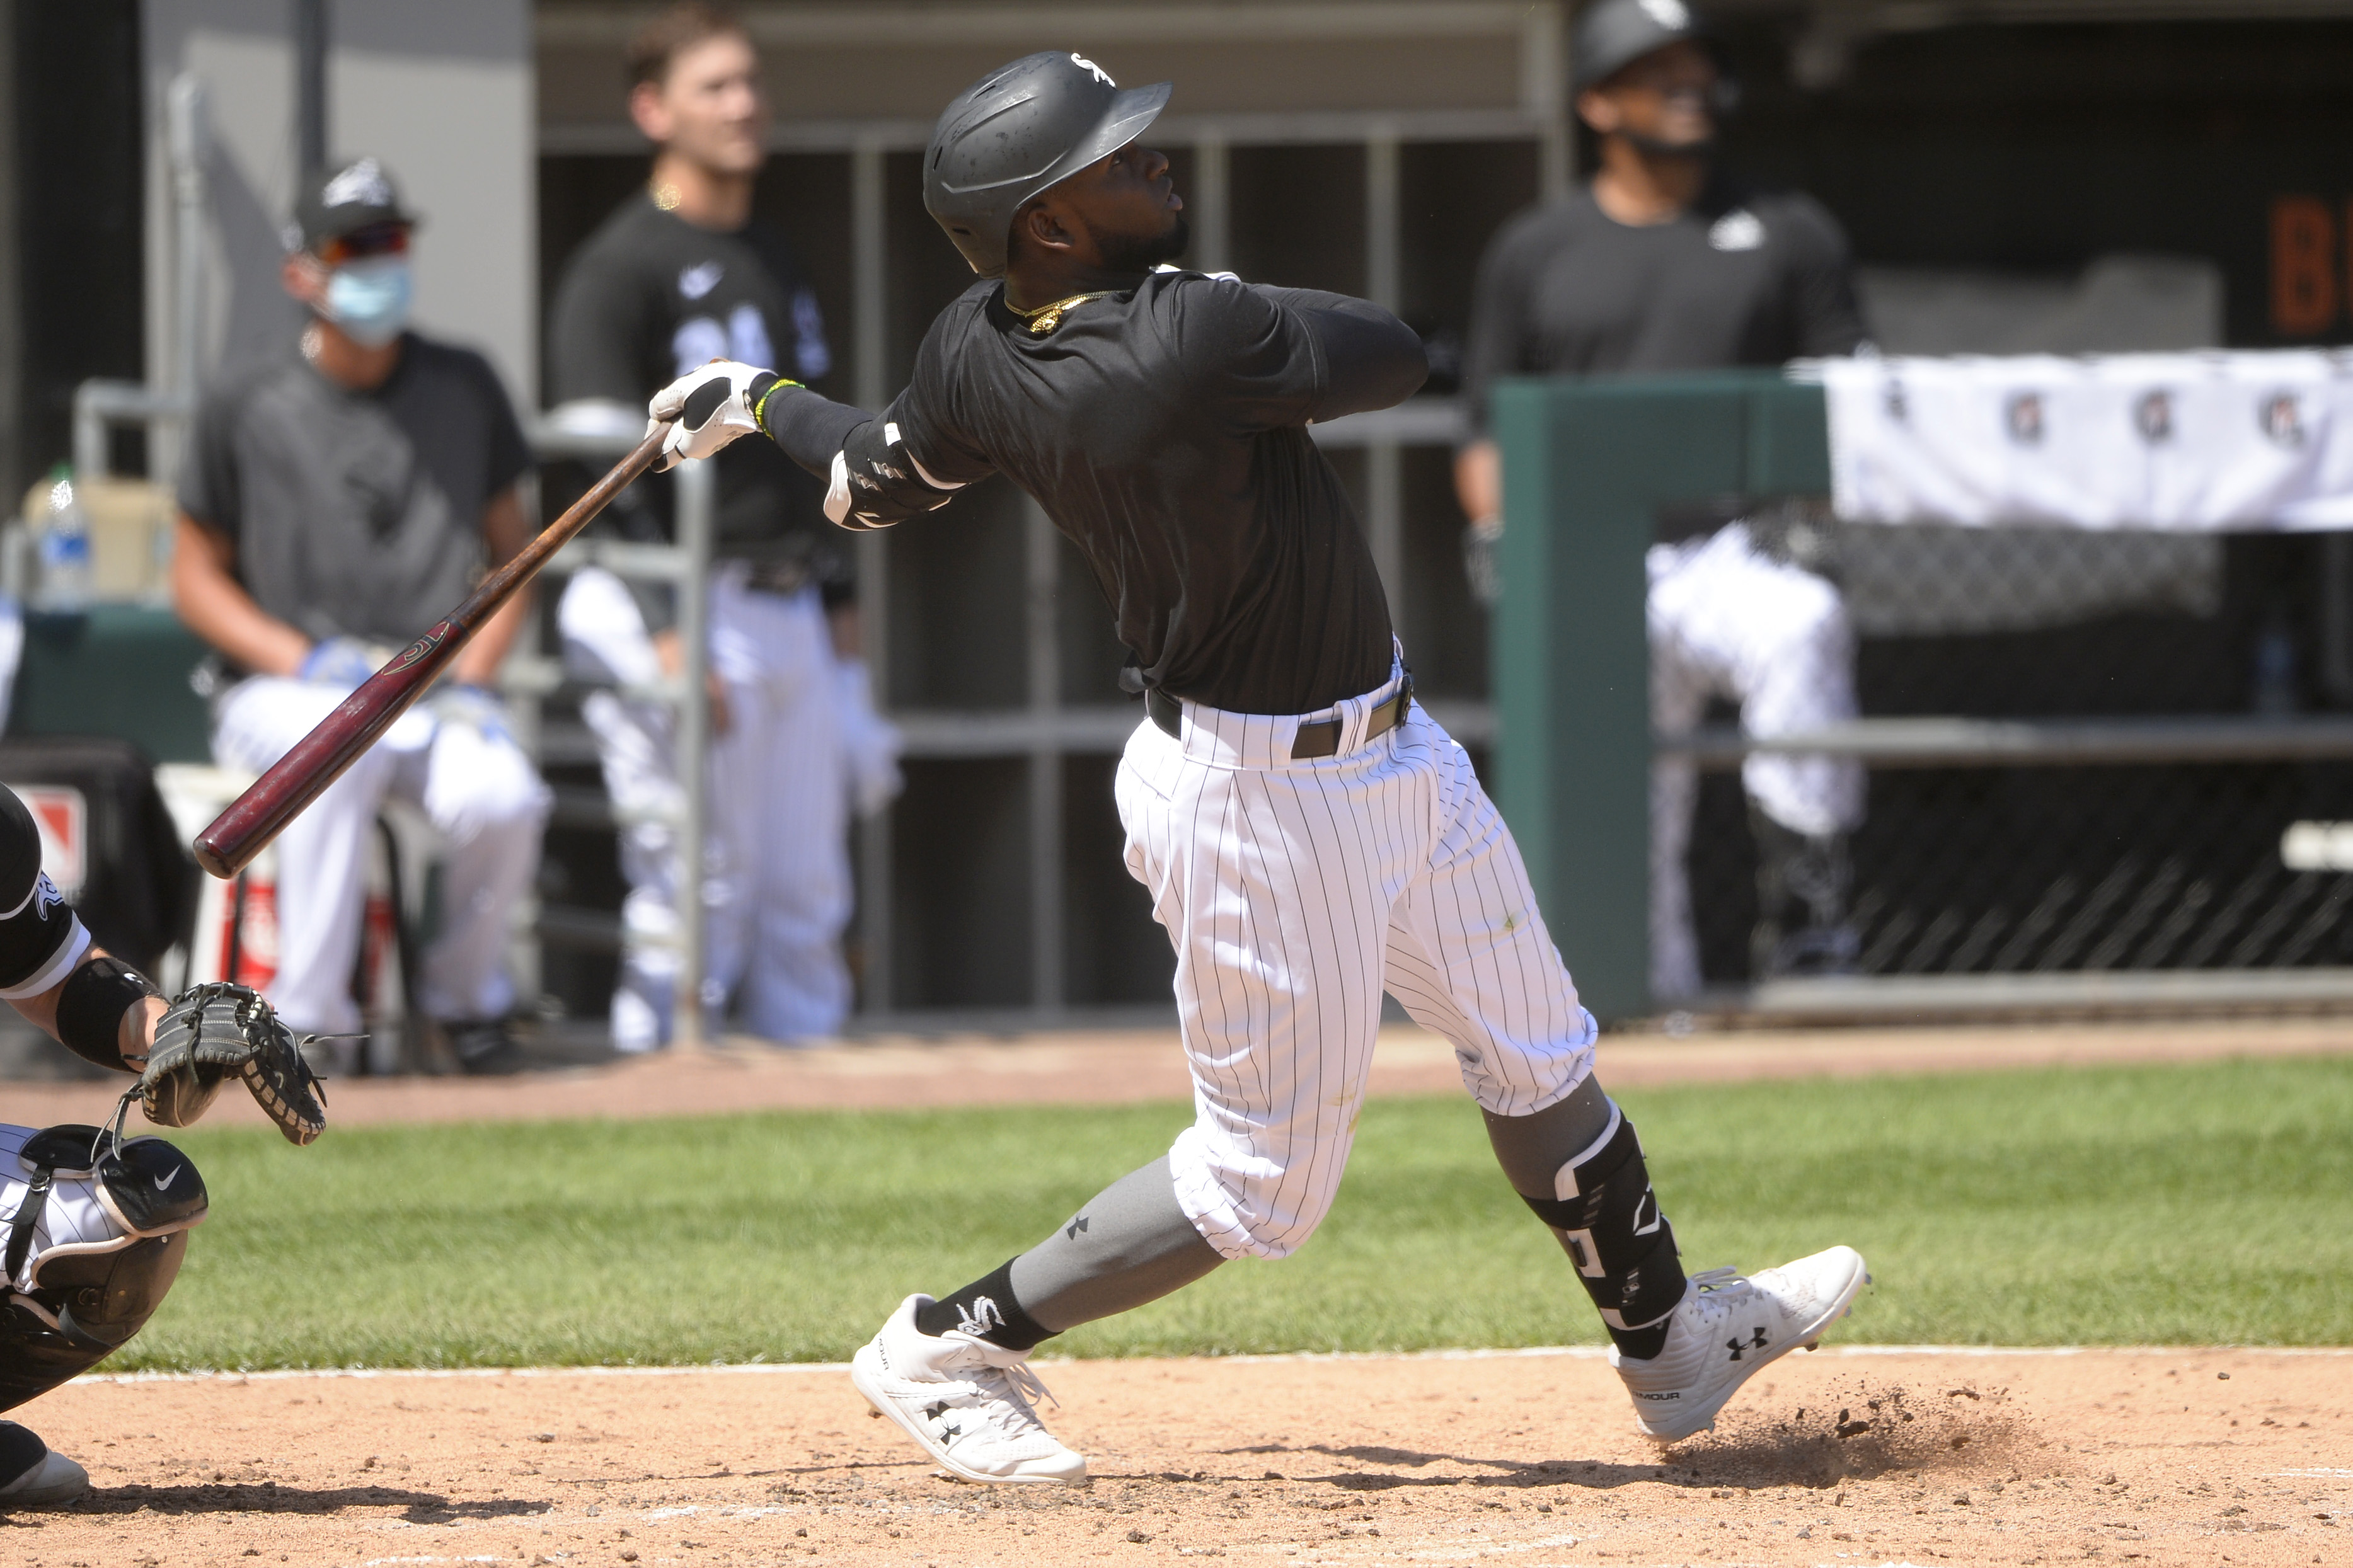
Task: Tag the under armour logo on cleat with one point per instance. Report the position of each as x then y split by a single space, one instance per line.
1074 1227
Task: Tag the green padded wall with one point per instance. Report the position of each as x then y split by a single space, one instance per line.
118 670
1587 465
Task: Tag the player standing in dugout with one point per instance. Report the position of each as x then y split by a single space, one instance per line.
1309 836
1661 263
682 274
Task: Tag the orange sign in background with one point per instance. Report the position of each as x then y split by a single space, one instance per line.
2307 291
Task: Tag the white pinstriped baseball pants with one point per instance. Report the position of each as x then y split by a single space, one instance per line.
1294 893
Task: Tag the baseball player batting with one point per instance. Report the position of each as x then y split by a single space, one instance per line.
1309 837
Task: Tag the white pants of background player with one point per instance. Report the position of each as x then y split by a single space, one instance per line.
1294 893
1727 621
776 887
479 790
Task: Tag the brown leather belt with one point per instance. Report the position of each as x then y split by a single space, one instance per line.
1320 739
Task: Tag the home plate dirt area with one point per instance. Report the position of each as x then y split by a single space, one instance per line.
1862 1456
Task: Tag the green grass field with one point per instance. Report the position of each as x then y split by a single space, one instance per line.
2198 1205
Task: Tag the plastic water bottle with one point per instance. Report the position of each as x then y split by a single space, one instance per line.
65 546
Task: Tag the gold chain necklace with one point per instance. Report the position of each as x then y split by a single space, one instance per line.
1046 318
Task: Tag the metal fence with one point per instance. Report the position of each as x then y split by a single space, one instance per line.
2088 755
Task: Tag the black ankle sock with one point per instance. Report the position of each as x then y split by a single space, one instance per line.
987 1310
1623 1248
19 1452
1642 1344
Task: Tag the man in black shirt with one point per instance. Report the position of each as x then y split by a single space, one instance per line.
1665 263
1309 837
682 274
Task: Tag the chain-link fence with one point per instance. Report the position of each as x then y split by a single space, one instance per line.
2033 860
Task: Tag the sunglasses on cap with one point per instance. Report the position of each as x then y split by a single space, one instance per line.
376 239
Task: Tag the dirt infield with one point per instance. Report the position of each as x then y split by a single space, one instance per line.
1106 1066
1866 1456
2156 1457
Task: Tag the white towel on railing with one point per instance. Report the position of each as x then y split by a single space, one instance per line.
2180 441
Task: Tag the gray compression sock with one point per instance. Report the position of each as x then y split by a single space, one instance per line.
1131 1243
1533 1149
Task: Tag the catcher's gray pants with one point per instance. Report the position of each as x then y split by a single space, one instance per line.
1728 621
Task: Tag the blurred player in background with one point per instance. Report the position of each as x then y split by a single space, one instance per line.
335 503
682 274
1664 263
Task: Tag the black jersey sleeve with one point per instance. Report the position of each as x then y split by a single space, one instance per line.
40 937
208 490
1264 358
1824 315
878 470
1371 359
1499 310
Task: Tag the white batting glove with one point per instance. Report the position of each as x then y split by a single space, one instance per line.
706 409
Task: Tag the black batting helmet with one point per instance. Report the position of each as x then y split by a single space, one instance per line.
1015 131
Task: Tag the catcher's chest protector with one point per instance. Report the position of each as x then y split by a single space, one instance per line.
92 1236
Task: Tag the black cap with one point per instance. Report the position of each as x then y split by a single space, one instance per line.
1613 34
358 196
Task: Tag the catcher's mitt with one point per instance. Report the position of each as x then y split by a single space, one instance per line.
217 1031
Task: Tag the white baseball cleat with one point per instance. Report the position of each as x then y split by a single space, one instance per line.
1727 1328
967 1402
50 1480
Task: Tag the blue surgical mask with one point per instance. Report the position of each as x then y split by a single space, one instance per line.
369 299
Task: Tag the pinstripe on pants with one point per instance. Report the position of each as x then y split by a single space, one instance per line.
1294 893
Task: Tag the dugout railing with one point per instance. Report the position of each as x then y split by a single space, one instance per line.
2035 861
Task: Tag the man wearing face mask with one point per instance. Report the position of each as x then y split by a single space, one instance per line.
335 502
1666 263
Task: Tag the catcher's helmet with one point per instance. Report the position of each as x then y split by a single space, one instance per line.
1613 34
1020 129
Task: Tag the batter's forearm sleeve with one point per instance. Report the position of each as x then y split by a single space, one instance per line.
871 480
1371 359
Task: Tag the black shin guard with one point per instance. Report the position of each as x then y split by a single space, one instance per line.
987 1310
1608 1221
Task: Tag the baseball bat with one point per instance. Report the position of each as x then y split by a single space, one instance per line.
319 759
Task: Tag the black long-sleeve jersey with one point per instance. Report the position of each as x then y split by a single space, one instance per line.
1162 429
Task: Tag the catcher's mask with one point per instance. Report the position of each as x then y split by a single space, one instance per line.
1019 130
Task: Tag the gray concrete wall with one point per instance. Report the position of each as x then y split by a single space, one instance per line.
441 91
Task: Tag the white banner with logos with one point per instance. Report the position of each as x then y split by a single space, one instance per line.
2179 442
